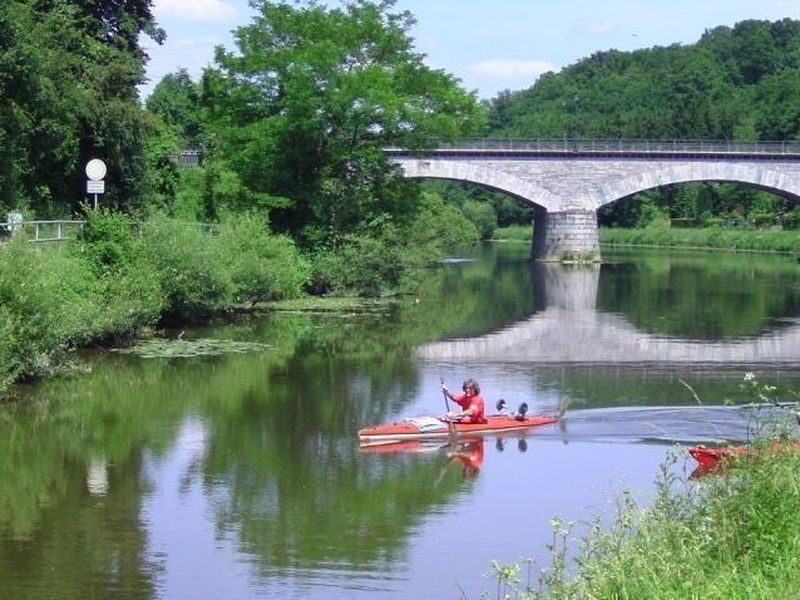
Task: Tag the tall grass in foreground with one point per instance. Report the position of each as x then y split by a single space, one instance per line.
732 536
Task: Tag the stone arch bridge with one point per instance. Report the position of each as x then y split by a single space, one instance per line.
567 181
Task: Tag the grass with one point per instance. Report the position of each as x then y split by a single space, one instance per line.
729 535
712 237
513 233
708 238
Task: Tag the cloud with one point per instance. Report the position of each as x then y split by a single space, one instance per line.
511 69
199 11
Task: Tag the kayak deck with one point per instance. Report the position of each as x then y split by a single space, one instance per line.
430 428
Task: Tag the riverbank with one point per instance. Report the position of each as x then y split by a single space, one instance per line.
708 238
666 237
113 283
729 533
732 536
119 278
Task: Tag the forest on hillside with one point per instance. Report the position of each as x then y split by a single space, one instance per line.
735 83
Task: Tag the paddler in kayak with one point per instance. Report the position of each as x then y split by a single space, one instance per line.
471 403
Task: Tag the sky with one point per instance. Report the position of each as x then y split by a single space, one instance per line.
490 45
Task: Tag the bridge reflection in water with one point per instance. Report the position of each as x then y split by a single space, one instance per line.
571 331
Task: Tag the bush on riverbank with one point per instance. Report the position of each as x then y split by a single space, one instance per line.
46 300
387 257
118 278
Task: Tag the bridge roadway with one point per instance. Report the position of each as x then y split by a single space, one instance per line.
569 330
568 181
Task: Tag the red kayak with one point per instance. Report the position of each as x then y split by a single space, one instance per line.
427 428
710 458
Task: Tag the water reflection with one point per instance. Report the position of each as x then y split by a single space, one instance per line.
241 476
572 330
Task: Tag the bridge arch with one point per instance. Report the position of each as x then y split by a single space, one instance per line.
493 179
756 176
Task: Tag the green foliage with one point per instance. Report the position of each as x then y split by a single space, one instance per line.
439 227
362 265
384 257
191 274
262 266
119 277
46 301
304 108
734 537
514 233
482 216
791 220
739 83
713 237
68 94
106 241
176 101
128 292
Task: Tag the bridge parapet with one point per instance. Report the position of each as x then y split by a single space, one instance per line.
677 148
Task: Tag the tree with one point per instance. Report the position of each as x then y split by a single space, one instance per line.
176 100
305 107
68 82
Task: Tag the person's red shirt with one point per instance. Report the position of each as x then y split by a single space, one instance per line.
474 405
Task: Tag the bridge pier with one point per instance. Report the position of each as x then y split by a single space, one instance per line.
567 236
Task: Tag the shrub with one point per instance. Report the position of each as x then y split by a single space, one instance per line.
191 273
361 265
106 241
439 227
262 266
46 303
791 220
482 215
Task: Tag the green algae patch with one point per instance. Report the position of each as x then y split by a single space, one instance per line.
333 305
178 348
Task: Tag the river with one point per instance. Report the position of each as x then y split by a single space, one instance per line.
240 476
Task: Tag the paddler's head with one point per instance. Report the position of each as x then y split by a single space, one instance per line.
471 387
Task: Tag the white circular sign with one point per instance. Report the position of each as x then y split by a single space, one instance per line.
96 169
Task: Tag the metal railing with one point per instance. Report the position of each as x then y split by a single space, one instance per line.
767 148
61 231
41 231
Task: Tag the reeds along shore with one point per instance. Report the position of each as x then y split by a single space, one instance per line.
666 237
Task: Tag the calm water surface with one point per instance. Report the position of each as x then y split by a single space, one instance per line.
240 476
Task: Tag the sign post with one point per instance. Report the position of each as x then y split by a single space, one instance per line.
95 171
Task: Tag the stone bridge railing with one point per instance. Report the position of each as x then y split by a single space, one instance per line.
616 147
